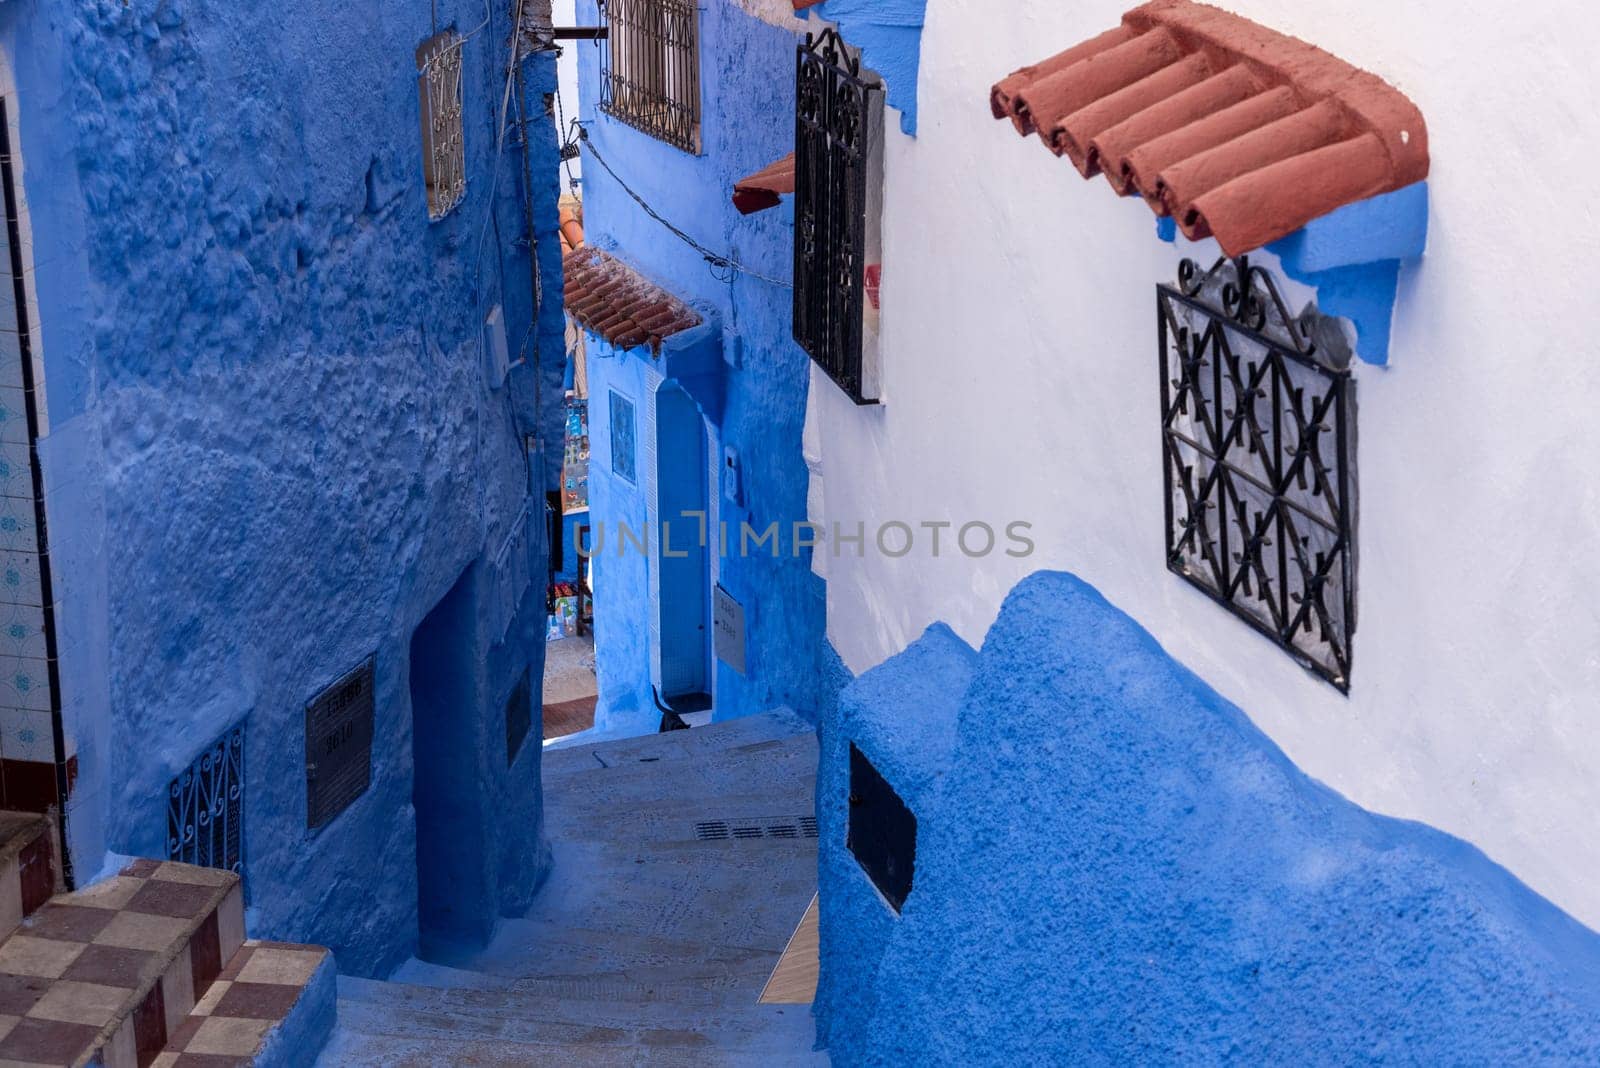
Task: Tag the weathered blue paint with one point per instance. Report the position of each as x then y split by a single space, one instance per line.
754 397
272 450
623 606
1353 255
889 34
1352 258
1115 866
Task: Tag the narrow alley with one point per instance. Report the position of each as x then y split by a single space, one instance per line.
683 863
765 533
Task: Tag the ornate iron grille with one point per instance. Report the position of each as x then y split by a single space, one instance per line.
1258 435
519 717
832 139
205 807
339 745
650 68
444 166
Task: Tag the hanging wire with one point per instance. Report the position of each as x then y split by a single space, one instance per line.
561 119
723 268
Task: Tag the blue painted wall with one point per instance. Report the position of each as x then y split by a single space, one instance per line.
1115 866
272 447
747 71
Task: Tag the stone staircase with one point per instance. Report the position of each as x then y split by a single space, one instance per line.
682 863
147 967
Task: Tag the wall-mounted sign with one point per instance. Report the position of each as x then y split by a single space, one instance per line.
727 618
339 745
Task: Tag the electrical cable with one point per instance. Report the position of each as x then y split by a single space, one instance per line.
727 265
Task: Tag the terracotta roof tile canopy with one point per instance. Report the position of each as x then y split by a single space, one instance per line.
611 299
762 189
1235 130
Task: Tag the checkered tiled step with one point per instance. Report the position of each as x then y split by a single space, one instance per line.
108 972
29 875
237 1021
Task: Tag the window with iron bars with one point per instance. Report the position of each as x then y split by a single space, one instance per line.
1258 431
650 68
444 168
838 185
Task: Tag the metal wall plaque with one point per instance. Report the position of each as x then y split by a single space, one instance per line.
339 745
883 831
205 807
727 629
519 717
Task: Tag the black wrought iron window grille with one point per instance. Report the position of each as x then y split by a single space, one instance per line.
205 807
1258 435
835 108
650 68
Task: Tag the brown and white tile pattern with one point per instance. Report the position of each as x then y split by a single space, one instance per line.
116 967
254 993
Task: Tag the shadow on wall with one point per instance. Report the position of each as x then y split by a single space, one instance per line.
456 901
1113 864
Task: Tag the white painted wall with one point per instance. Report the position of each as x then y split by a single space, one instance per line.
1020 382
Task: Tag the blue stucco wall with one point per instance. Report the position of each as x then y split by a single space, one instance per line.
621 580
748 106
1115 866
272 447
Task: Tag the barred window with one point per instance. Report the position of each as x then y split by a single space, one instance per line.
838 205
622 446
439 96
205 807
1258 413
650 68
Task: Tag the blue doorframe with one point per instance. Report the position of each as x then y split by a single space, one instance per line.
679 552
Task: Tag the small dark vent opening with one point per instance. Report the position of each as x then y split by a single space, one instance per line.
883 831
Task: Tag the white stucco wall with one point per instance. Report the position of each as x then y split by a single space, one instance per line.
1020 383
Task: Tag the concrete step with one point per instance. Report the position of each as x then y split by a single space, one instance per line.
397 1009
781 768
674 745
355 1049
29 874
529 948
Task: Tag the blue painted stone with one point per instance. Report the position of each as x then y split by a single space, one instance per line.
271 451
1352 257
889 34
1114 865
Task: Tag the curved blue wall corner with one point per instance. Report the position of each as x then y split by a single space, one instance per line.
1352 257
889 34
1113 865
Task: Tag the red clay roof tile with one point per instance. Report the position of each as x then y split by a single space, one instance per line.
762 189
801 5
1235 130
614 301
